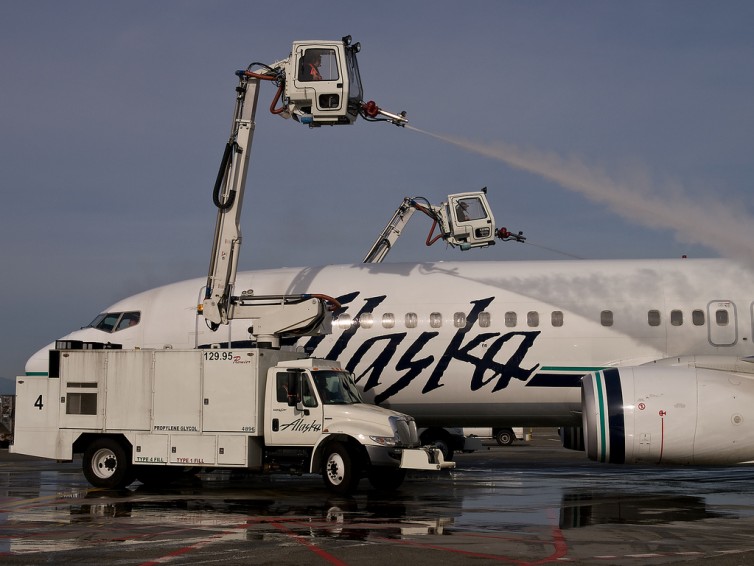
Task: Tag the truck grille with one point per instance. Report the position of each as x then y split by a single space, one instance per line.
406 431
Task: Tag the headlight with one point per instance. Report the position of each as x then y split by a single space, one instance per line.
385 440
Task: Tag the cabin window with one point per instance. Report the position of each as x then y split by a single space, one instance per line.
469 209
557 318
721 317
81 403
281 383
435 320
676 318
388 320
511 319
653 317
459 319
484 319
411 320
318 65
366 320
344 321
697 317
532 319
606 318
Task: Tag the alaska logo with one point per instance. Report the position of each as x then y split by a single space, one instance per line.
299 425
411 363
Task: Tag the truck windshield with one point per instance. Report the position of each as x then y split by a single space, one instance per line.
336 388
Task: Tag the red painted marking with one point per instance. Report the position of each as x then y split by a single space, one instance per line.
313 547
558 541
196 546
662 434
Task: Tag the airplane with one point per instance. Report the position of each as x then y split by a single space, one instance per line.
652 358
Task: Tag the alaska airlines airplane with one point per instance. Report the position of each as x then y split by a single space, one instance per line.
652 358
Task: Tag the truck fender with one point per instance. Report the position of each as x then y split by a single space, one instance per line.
354 446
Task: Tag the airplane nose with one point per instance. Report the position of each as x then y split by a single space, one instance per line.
38 364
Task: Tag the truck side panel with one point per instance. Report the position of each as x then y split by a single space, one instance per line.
128 379
37 414
233 395
177 391
82 390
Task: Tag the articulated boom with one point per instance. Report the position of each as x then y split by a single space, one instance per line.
320 85
465 220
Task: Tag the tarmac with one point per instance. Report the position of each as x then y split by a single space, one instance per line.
532 503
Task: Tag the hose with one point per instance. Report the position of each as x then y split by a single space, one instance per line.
220 177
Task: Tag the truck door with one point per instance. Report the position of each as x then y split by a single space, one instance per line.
471 219
295 417
319 74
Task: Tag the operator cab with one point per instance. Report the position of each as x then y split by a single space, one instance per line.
471 220
326 86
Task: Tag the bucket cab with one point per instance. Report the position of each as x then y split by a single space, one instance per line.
324 85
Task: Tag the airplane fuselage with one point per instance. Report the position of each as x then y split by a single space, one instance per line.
479 343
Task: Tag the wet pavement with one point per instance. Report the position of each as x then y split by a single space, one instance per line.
533 503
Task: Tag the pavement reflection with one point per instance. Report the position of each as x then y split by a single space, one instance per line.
526 504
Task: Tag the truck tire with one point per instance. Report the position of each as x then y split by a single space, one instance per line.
339 469
107 464
383 478
505 437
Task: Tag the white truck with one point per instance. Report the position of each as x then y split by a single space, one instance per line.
150 414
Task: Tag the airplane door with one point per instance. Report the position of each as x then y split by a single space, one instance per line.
722 323
296 416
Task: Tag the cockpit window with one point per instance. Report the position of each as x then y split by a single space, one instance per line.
115 321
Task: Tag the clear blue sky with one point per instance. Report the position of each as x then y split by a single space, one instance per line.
114 116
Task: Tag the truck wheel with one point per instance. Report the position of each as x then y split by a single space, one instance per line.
339 470
383 478
107 465
505 437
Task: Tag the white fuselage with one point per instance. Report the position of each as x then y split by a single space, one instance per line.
479 343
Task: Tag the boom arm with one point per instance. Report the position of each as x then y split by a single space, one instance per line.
228 198
321 85
465 220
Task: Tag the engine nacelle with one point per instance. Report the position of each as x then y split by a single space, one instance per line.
668 415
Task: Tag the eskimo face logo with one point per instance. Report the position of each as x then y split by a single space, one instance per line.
409 363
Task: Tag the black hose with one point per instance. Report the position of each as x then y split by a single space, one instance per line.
219 181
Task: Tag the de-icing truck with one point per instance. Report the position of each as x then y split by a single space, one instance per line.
154 414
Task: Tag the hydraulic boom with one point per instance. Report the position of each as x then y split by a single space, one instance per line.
318 84
465 220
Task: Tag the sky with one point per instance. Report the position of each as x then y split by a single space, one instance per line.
602 129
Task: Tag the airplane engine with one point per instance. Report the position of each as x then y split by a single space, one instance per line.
668 415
